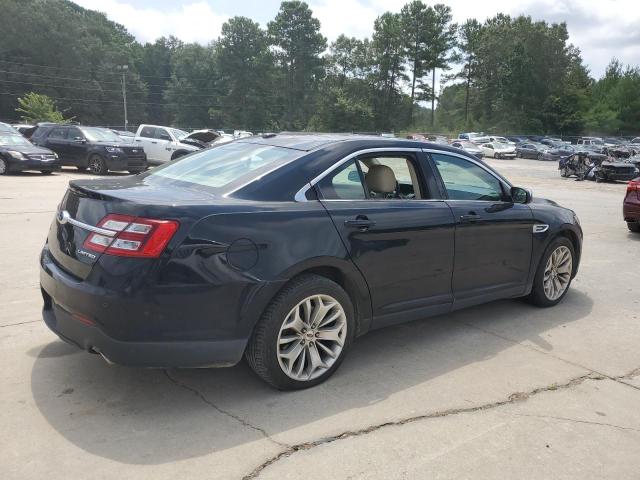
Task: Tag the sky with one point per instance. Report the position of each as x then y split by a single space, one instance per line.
602 29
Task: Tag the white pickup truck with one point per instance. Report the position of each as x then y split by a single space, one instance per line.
162 144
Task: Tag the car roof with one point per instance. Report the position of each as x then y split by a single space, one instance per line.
307 142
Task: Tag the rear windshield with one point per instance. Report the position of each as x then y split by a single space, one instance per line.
221 166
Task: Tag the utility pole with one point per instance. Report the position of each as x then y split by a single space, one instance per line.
124 69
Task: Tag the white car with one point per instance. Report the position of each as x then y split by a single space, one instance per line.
493 139
162 144
498 150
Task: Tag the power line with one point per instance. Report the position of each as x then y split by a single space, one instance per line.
94 89
92 71
85 100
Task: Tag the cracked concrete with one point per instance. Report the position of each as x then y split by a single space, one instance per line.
501 390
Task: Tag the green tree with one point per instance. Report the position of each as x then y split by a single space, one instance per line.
296 35
442 37
469 33
246 70
416 20
35 108
388 55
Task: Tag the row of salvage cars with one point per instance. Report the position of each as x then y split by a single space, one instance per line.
46 147
590 158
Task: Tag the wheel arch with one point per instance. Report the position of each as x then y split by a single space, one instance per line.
340 271
575 241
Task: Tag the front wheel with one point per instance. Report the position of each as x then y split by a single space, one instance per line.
540 156
4 169
303 334
633 227
554 273
97 165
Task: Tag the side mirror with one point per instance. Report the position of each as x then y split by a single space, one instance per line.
521 195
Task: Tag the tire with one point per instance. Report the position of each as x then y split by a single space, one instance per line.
178 154
538 296
265 353
4 168
97 165
539 156
633 227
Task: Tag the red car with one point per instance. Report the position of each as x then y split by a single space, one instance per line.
631 206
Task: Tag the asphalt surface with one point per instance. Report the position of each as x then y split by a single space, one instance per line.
504 390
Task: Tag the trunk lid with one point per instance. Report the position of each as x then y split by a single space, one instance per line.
87 202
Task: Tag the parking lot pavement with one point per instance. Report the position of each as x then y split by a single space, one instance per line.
502 390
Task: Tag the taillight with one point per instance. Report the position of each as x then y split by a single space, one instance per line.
634 186
133 236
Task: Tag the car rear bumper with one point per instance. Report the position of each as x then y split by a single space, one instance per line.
77 331
75 311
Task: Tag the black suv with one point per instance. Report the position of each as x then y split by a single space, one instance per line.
95 148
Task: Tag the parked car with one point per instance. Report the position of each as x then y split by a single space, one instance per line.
191 264
469 136
22 127
468 147
498 150
492 139
126 136
98 149
529 150
17 154
631 206
557 152
163 144
6 128
613 171
517 139
595 142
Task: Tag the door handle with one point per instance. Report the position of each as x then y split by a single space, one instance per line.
470 217
361 222
138 140
154 142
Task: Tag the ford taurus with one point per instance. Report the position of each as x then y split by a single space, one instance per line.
285 248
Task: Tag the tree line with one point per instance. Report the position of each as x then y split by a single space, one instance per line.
506 74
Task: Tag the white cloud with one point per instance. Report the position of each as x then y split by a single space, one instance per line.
190 21
600 28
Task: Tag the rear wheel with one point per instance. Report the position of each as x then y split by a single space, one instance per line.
539 156
554 273
634 227
97 165
3 167
303 334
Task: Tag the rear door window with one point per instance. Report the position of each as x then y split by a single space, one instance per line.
343 184
148 132
58 133
225 166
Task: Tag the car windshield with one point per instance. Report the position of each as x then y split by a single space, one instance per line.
14 140
223 165
95 134
179 134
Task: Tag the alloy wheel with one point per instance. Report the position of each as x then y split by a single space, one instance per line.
312 337
557 272
3 167
96 165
